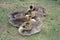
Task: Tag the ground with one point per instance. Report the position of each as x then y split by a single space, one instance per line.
50 29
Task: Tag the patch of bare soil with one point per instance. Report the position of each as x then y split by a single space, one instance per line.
8 5
3 29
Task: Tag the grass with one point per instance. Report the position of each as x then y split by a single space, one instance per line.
50 29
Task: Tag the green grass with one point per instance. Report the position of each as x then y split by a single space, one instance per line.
50 29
